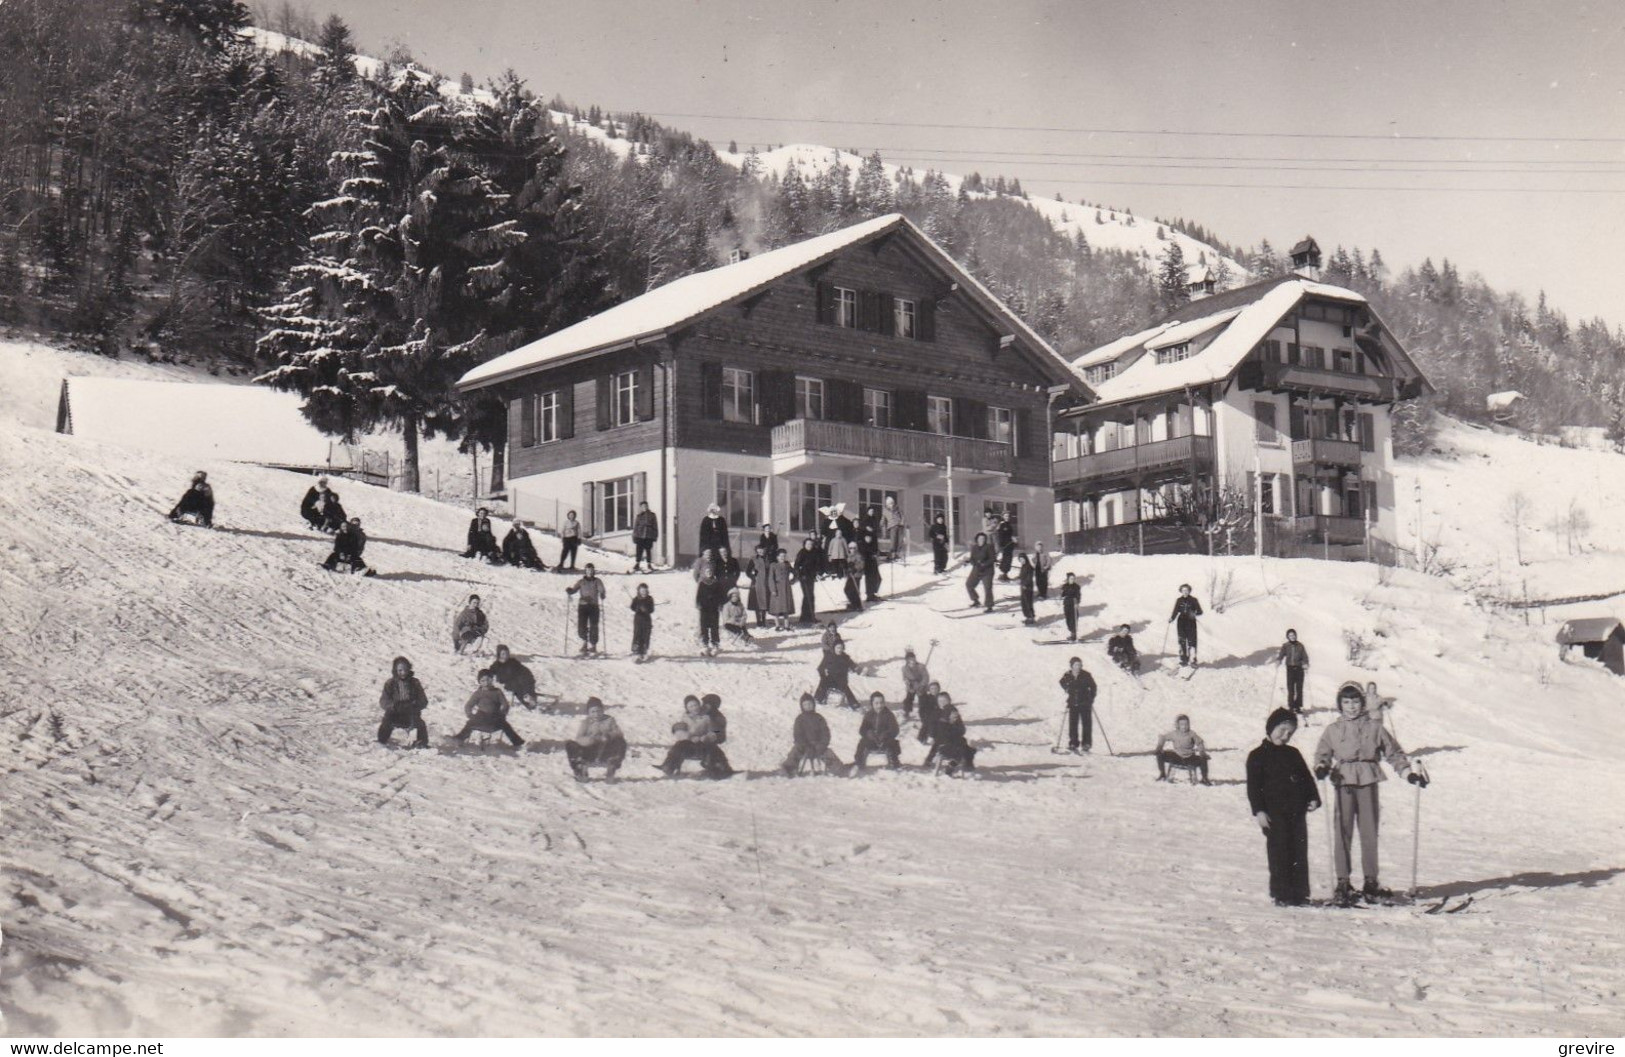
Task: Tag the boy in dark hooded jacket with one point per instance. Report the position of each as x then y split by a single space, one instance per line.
1281 793
811 740
514 677
878 733
403 702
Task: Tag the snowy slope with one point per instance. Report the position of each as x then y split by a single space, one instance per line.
202 839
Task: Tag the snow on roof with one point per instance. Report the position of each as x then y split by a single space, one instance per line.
234 423
1587 629
1502 401
1244 327
682 300
1198 273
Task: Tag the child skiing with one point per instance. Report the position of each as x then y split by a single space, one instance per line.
1296 659
470 626
514 677
588 608
1186 610
599 740
403 702
1071 595
877 733
811 740
1281 793
643 622
1080 703
1188 750
1350 753
487 712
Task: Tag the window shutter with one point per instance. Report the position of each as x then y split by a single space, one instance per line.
911 409
646 392
826 302
963 417
606 392
1021 432
1297 424
589 508
925 320
711 390
845 399
1370 490
866 311
1368 432
888 314
527 420
777 396
567 412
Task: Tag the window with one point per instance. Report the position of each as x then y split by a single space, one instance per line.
1266 493
877 407
1174 353
738 395
846 307
1343 360
1009 511
1001 426
805 499
905 318
540 418
938 504
1294 354
626 398
1096 375
1270 351
1368 431
876 497
1264 416
939 415
1314 356
809 397
615 505
740 497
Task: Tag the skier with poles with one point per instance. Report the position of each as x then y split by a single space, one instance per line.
1296 659
589 606
1080 703
1281 793
1186 610
1350 754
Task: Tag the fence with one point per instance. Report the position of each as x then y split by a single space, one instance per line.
1283 538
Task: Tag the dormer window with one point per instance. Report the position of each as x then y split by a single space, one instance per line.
1174 353
1096 375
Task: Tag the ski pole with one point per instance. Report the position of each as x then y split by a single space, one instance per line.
1060 730
565 646
1102 724
930 651
1416 830
1163 649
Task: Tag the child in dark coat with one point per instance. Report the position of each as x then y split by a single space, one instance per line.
1029 589
1071 594
1120 647
811 734
487 711
403 702
1186 610
878 733
643 622
949 742
833 674
1281 793
514 677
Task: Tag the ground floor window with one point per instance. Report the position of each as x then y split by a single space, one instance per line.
999 508
805 499
615 505
938 504
876 497
740 497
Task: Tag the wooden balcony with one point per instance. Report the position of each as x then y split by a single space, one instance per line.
1331 528
1286 377
1166 457
1326 453
802 442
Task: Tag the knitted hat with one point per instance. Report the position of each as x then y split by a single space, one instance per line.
592 702
1350 689
1279 716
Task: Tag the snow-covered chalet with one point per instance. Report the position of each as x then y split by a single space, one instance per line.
1273 397
846 368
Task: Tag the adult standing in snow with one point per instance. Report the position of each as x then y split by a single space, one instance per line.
892 526
1005 534
756 573
1296 659
403 702
1351 752
1187 750
310 508
709 594
1028 577
781 598
808 563
598 741
589 608
487 712
482 538
519 550
878 733
514 677
569 542
937 533
810 740
915 679
1071 595
1281 794
982 560
348 545
645 531
1186 610
471 625
869 558
1042 563
198 501
714 533
1080 706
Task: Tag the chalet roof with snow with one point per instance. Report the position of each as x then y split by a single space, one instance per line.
681 302
206 422
1588 629
1502 401
1242 318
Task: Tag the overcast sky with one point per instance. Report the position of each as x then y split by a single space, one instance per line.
1257 109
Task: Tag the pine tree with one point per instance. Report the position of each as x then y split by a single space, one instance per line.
337 63
872 193
733 146
1171 288
793 203
1266 264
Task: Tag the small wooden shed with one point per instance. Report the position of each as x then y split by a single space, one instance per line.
1600 638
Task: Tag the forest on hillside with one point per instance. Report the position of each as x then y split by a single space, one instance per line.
364 240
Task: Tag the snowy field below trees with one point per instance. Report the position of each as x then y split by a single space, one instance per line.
202 837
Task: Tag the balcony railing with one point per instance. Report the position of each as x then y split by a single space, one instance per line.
1136 460
1333 528
1331 383
812 437
1326 453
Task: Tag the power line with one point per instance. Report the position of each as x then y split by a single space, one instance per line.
970 154
1385 168
1394 138
1345 187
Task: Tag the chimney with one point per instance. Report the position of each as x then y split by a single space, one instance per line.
1306 259
738 255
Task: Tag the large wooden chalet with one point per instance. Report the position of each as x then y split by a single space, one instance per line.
843 369
1278 393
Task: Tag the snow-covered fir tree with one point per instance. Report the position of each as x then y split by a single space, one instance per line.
1171 288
